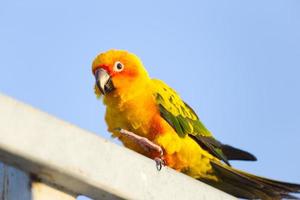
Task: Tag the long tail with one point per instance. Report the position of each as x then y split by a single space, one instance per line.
248 186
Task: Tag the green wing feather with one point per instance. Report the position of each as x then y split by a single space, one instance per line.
185 122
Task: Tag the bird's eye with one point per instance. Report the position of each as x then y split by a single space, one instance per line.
118 66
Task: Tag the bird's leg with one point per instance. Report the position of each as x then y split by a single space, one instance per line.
147 145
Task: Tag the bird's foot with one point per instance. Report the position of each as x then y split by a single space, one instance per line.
147 145
160 162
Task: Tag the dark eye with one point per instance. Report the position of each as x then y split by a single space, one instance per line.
118 66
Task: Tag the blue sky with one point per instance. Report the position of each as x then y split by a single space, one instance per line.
235 62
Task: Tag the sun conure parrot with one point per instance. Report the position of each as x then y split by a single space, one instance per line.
149 117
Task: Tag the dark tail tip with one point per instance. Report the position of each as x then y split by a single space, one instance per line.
233 153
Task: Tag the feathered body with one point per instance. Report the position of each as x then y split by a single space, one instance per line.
151 109
139 113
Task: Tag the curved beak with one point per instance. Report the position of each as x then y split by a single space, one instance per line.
103 81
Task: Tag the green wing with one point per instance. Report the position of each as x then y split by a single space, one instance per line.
186 122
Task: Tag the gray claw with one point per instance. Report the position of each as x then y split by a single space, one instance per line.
159 163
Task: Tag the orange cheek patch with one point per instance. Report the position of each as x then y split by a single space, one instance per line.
129 73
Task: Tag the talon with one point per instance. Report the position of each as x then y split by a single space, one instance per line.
159 163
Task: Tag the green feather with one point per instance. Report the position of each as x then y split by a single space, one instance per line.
184 120
185 124
172 120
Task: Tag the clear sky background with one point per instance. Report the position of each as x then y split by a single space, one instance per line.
237 63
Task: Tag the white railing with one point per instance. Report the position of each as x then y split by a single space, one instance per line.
57 160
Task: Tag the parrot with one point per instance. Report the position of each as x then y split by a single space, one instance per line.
149 117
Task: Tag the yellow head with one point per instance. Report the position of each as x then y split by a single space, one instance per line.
117 71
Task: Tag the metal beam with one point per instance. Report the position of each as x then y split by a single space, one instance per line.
80 162
18 185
